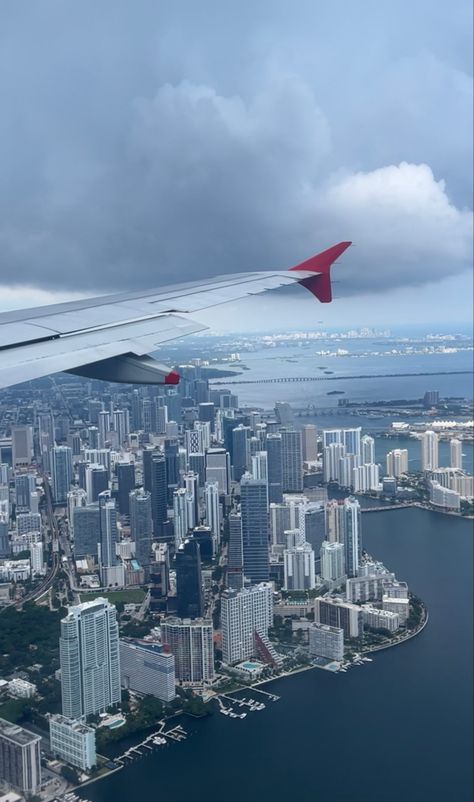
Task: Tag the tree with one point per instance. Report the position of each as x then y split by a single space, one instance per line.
70 774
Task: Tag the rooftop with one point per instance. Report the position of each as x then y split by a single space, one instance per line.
17 734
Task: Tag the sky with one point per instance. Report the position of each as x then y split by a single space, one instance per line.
145 142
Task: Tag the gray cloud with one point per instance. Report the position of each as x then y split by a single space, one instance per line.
137 147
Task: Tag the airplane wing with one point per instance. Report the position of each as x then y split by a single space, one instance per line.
110 337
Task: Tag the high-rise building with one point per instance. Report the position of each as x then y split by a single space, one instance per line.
429 451
397 462
97 481
339 614
159 489
206 412
77 497
332 454
90 662
191 643
121 425
72 741
310 443
292 461
126 483
25 485
299 570
367 449
20 758
22 445
455 453
86 526
104 427
180 516
61 472
332 436
326 641
351 439
315 526
45 438
188 580
332 563
212 506
218 468
244 613
147 668
141 524
365 478
235 564
352 535
274 460
253 498
108 530
172 466
240 451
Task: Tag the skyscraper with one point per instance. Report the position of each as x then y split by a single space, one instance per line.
351 440
253 498
86 526
108 530
367 445
292 461
218 468
299 569
332 453
244 613
212 505
22 445
332 563
20 758
310 443
159 507
188 580
191 643
429 451
274 459
455 453
141 524
240 450
126 483
90 663
397 462
235 563
352 535
97 481
61 472
25 485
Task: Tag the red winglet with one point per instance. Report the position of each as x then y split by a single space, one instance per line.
172 378
320 284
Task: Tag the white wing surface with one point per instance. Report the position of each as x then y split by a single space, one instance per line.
109 337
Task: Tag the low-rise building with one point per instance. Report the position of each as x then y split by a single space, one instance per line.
72 742
375 618
148 668
326 641
21 688
398 605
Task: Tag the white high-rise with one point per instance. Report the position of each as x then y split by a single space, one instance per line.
367 446
332 453
455 453
397 462
429 451
299 568
75 498
180 516
243 613
365 478
352 440
212 505
332 562
90 663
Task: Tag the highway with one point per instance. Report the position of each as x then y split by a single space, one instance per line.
291 379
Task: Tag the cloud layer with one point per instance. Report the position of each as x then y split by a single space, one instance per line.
131 157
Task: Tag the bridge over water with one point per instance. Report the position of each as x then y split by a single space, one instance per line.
294 379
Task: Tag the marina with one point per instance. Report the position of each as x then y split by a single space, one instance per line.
155 739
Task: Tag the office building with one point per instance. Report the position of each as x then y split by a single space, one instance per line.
147 668
429 451
240 451
28 522
218 468
253 504
299 570
191 644
315 526
103 421
141 524
97 481
244 613
25 485
77 497
292 461
274 461
310 443
235 565
86 526
213 510
22 445
180 516
61 472
159 491
126 483
188 580
20 758
90 662
397 462
73 742
326 641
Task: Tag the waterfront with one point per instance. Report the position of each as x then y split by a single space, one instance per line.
397 728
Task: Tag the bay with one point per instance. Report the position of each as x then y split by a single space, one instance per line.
399 728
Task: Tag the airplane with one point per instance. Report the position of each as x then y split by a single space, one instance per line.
109 337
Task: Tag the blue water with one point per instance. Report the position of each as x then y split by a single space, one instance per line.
397 729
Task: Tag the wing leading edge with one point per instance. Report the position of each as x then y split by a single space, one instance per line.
109 337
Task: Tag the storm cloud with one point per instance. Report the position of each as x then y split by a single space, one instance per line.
141 143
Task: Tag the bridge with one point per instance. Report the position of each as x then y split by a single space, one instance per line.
294 379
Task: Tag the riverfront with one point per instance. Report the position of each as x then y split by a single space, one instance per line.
400 726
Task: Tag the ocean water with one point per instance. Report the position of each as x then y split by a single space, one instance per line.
399 728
